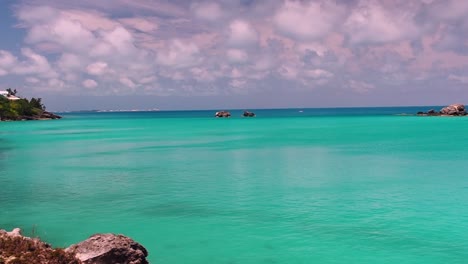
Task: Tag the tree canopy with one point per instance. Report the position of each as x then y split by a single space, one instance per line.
21 108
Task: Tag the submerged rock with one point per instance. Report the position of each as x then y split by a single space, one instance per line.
109 249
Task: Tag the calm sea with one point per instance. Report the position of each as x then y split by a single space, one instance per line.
357 185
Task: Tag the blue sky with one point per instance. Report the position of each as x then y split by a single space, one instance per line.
127 54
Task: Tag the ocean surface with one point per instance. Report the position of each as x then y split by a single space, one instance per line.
346 185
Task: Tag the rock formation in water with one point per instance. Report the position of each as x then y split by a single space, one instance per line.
97 249
248 114
451 110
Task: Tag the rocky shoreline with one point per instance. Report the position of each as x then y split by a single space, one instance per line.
42 116
97 249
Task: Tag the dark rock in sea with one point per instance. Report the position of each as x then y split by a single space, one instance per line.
109 249
223 114
49 115
451 110
248 114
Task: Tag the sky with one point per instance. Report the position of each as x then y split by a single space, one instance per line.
181 54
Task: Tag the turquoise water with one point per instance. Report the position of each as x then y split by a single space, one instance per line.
318 186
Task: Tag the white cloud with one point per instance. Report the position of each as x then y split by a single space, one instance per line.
370 22
65 33
458 78
55 84
308 20
35 64
70 61
319 73
147 79
238 83
202 74
449 9
288 71
97 68
241 34
360 86
140 24
236 73
7 60
179 54
237 55
217 46
89 83
210 11
32 80
127 82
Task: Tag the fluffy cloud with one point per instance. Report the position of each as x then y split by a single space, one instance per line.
141 24
371 22
319 73
210 11
458 78
88 83
236 55
241 34
7 60
97 68
308 20
209 47
360 86
179 54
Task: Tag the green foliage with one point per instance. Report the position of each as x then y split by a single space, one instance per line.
11 92
19 109
37 103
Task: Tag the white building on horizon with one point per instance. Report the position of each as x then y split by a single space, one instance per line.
6 95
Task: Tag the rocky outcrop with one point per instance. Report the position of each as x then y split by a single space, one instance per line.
108 249
451 110
18 249
97 249
42 116
49 115
223 114
248 114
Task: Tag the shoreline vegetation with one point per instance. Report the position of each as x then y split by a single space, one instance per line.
13 108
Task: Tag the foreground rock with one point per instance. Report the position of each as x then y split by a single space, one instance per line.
451 110
18 249
109 248
97 249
